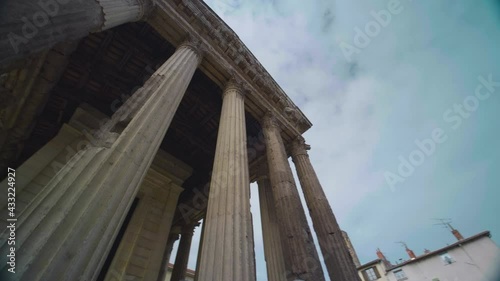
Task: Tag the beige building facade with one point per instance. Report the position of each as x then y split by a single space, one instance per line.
474 258
374 270
126 122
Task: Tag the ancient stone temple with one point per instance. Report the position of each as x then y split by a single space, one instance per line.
129 121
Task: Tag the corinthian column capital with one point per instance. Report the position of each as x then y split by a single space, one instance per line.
270 121
116 12
299 147
194 44
189 228
146 8
234 84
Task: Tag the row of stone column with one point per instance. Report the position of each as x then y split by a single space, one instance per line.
227 245
75 219
338 261
300 255
289 247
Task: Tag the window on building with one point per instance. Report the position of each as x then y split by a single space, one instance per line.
371 274
400 275
447 259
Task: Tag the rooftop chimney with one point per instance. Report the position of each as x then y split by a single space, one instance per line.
457 234
411 254
381 256
447 224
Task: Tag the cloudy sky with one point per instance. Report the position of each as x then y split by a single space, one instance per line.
404 94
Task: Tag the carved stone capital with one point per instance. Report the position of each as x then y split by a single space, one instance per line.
146 7
188 229
270 121
234 84
299 147
292 114
118 12
195 44
175 231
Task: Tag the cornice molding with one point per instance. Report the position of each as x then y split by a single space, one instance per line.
146 6
229 52
299 147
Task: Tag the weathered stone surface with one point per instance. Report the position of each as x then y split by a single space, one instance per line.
230 54
336 255
275 263
301 258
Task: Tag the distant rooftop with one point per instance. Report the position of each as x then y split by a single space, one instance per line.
441 250
369 263
432 253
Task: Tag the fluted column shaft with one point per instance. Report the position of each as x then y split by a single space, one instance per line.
182 258
275 263
301 258
76 216
166 256
28 27
227 252
336 255
198 257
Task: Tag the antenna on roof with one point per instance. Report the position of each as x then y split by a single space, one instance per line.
402 244
408 251
446 223
381 256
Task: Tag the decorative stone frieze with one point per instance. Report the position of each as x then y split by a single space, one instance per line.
226 49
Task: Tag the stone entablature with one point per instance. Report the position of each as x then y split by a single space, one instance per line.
225 52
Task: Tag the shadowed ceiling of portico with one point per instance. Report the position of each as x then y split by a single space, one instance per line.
108 65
